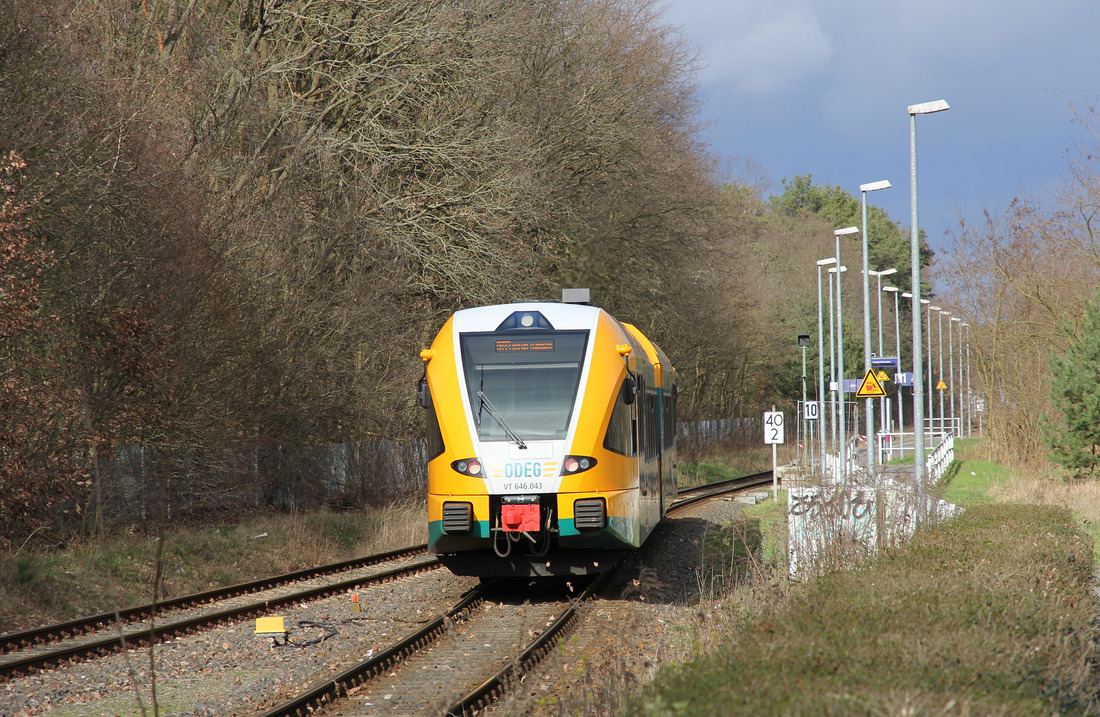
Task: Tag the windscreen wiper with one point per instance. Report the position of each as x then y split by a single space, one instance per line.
488 405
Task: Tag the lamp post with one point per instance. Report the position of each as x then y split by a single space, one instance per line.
834 272
832 355
879 275
931 393
870 422
914 258
943 414
897 347
969 402
804 343
931 390
914 308
956 416
918 427
837 233
821 363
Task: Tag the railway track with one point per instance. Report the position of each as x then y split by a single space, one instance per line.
28 650
415 687
454 665
696 494
384 682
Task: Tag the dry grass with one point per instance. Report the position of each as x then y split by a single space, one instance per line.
980 479
1083 498
987 614
40 588
1080 497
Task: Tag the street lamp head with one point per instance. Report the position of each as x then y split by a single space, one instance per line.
935 308
887 272
907 294
926 301
845 230
892 289
925 108
833 269
875 186
956 318
826 262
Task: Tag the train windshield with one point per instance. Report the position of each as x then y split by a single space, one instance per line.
531 379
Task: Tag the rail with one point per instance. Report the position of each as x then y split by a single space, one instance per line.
129 638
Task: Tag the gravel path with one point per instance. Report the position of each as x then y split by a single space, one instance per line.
648 620
230 671
642 622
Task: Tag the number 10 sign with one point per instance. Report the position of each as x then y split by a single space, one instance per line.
773 427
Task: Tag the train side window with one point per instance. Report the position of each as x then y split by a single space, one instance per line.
668 421
651 448
435 436
619 436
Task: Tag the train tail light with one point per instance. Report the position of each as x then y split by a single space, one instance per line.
469 467
577 464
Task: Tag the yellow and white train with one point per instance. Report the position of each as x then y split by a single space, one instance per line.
551 439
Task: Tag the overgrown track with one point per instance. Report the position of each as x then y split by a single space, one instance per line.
69 632
482 652
333 694
699 493
495 670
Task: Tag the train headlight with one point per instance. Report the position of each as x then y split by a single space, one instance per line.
577 464
468 466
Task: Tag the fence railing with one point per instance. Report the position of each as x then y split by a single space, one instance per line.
139 479
939 459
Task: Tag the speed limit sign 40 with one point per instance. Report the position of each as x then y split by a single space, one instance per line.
773 427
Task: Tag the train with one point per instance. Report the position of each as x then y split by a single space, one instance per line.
551 438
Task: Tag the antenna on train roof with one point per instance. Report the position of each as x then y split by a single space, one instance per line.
576 296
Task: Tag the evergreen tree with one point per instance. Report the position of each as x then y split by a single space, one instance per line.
1075 391
887 243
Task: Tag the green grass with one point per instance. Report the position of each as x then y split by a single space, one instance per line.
711 471
990 613
971 480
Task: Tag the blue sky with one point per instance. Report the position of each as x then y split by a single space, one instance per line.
822 88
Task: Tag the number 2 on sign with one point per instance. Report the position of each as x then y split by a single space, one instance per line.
773 427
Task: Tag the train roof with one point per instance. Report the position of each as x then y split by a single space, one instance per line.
560 316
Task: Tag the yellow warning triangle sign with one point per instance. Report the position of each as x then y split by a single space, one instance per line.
941 385
870 388
881 376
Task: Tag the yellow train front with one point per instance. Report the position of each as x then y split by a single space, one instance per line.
551 439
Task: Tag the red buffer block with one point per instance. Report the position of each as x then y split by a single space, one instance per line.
522 517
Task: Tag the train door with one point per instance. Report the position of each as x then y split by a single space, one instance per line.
641 426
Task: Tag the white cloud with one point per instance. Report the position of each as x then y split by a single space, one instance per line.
778 52
754 48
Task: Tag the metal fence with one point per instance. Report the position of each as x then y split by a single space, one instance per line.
143 483
704 439
139 479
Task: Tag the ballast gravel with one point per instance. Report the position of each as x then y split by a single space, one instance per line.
645 620
651 618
